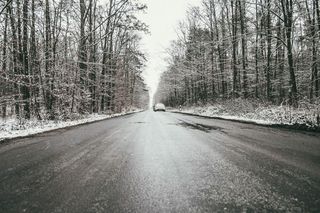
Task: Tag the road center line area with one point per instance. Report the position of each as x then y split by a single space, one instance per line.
162 162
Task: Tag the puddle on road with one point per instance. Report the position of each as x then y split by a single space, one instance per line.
139 122
201 127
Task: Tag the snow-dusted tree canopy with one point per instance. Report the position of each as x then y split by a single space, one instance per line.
63 57
266 50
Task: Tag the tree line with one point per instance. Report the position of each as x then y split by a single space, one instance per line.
60 57
250 49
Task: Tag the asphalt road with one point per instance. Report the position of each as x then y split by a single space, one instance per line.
162 162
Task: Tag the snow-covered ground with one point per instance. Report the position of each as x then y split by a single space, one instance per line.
13 128
240 110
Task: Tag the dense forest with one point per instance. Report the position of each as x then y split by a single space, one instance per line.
65 57
266 50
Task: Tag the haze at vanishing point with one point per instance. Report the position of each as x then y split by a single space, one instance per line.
162 17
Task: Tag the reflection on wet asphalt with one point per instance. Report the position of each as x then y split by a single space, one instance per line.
162 162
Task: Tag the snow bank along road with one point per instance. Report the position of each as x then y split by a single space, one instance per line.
161 162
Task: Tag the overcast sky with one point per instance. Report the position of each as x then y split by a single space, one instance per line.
163 17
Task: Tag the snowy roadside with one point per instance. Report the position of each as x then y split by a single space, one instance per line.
306 118
12 128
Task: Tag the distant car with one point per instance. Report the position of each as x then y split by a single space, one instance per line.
159 107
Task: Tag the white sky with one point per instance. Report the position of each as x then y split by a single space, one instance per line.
162 17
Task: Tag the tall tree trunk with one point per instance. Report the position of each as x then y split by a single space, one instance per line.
34 65
92 58
82 53
316 74
212 17
19 41
312 28
243 47
287 9
16 60
4 68
220 50
257 54
234 11
25 87
105 57
48 94
280 61
269 36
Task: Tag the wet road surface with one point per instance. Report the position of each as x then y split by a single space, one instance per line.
162 162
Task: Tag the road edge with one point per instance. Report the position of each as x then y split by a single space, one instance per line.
8 140
298 127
